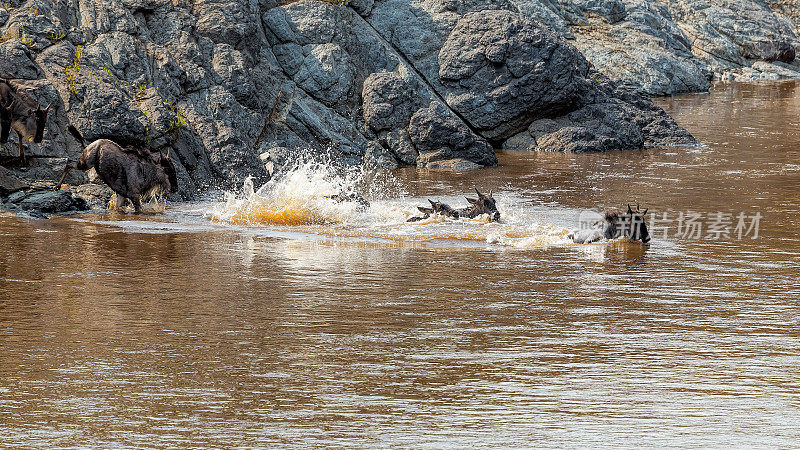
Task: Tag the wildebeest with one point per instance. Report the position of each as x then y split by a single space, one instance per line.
613 225
5 120
23 114
134 174
484 204
351 197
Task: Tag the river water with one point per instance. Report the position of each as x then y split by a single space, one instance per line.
282 318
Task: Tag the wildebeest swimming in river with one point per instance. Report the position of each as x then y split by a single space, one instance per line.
23 114
613 225
132 173
349 197
484 204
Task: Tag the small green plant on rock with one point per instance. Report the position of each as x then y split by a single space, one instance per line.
178 122
57 35
140 91
72 72
25 39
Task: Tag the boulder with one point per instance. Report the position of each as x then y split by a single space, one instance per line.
610 118
437 136
95 195
389 100
16 61
10 183
48 202
500 71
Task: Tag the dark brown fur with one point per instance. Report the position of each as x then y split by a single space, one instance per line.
133 174
22 114
614 224
484 204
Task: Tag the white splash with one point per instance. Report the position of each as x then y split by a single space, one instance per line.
300 199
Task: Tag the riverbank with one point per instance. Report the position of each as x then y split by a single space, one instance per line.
234 89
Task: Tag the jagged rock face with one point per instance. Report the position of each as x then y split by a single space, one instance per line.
665 47
610 117
726 30
438 136
413 126
389 101
500 71
644 50
434 83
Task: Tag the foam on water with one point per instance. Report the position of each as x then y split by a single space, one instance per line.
299 200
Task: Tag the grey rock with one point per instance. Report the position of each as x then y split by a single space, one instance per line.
49 202
16 61
611 118
640 61
10 183
399 143
96 196
362 7
546 12
501 71
388 101
610 10
327 74
379 157
779 69
439 136
452 164
646 51
671 46
724 32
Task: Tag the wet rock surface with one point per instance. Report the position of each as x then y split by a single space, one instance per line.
43 201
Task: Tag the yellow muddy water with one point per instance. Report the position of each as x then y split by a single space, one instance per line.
253 323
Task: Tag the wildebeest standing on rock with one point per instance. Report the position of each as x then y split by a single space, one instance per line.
484 204
134 174
23 114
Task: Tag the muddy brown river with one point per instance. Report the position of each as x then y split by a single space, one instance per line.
279 318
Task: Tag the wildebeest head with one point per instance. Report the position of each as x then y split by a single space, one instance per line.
41 118
632 225
169 168
484 204
31 127
5 121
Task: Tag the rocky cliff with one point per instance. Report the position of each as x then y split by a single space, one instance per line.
234 88
664 47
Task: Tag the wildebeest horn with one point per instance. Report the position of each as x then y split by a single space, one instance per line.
645 211
629 209
431 202
48 108
479 193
